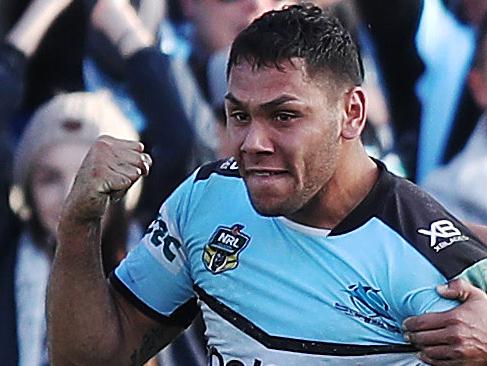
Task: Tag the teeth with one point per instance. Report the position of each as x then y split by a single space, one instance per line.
264 174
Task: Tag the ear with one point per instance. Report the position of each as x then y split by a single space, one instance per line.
476 83
355 113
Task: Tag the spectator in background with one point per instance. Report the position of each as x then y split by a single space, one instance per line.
55 66
431 63
468 111
45 163
460 185
446 45
19 46
425 49
386 32
216 24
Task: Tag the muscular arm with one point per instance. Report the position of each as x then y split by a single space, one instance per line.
89 323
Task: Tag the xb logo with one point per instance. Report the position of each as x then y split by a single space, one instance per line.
443 229
440 229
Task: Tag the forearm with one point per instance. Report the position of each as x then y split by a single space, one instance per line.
84 324
88 322
120 23
28 32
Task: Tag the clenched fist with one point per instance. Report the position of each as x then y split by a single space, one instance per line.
109 169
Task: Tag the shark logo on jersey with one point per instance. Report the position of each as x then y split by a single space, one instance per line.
369 306
222 251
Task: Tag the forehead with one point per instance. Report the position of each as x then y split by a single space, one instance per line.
249 83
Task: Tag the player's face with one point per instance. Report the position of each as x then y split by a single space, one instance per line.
284 131
51 179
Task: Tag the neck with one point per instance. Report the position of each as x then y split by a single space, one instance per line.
354 178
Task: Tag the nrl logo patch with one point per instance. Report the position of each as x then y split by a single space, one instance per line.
222 251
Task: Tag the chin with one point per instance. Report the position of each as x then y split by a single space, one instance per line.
267 211
266 207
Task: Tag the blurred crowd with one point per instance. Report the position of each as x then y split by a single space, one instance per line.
153 69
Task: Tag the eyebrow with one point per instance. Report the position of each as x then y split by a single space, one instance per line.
265 106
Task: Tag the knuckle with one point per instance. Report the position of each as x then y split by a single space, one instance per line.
454 338
458 353
106 138
101 144
454 319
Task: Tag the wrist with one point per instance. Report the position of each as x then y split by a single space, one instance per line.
133 40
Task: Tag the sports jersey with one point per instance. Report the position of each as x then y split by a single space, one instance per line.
275 292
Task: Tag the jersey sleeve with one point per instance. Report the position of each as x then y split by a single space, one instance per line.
440 246
445 242
156 274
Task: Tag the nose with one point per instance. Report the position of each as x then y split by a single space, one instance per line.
257 139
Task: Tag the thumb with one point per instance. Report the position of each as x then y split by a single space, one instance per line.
458 289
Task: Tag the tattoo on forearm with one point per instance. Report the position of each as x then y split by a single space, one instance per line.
151 343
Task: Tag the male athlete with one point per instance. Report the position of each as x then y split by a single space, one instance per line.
301 250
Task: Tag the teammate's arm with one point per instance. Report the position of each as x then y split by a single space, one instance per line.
455 337
89 323
458 336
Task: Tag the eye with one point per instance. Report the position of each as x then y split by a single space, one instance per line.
285 116
239 116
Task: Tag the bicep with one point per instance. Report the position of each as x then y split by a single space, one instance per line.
145 336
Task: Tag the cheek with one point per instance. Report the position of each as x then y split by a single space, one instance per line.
224 148
320 155
232 138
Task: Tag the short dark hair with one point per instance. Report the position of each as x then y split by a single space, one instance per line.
299 31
